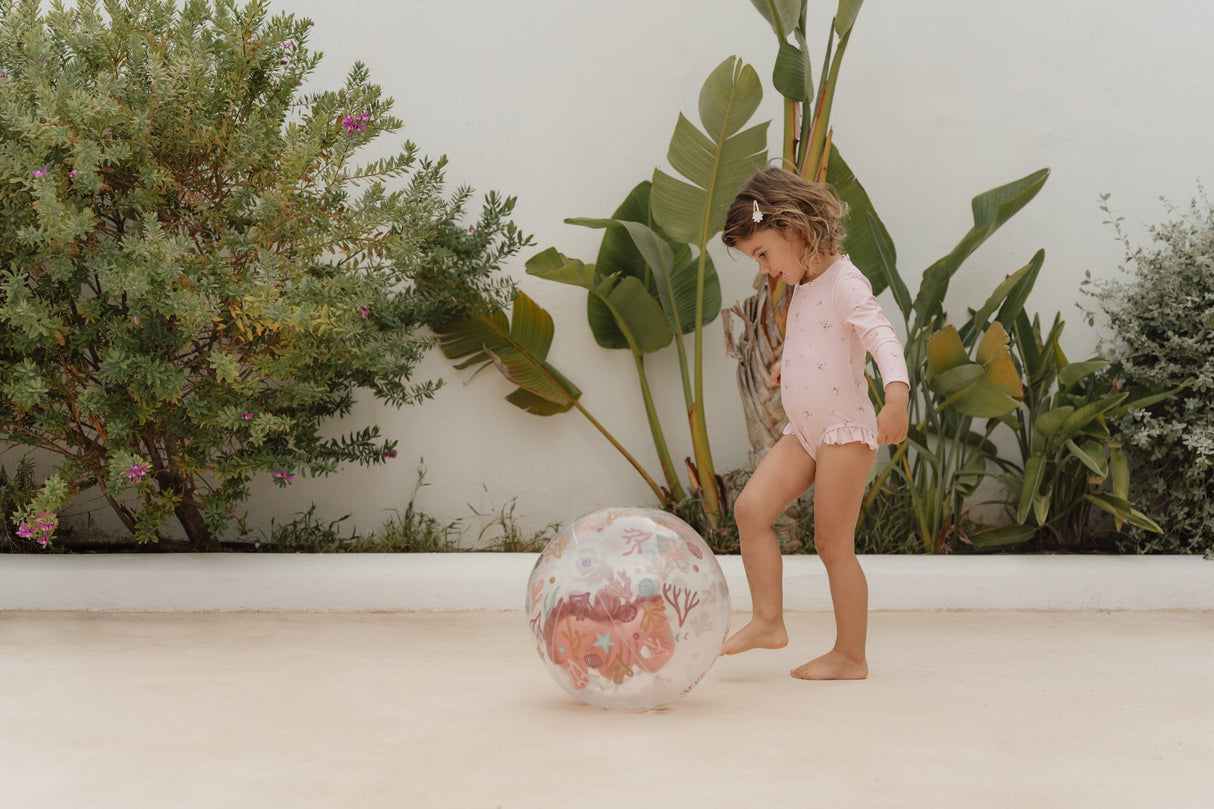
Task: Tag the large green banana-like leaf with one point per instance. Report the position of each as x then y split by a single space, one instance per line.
676 282
792 76
635 315
868 244
1008 298
717 163
1122 510
987 388
782 14
519 350
991 210
618 254
845 15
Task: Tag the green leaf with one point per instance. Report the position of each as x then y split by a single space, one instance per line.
883 250
1004 535
845 15
868 243
1085 417
1050 422
1122 509
1091 455
518 350
1119 471
677 286
970 475
991 210
1041 503
946 383
1034 473
791 75
1010 294
1068 375
553 266
984 399
782 15
716 163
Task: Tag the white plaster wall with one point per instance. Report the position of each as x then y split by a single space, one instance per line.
566 104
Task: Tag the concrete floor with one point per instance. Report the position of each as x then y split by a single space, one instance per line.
414 710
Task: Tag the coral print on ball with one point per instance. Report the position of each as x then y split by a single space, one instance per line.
628 608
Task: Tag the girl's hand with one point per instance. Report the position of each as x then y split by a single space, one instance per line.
892 421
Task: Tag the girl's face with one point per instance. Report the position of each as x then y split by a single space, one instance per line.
777 254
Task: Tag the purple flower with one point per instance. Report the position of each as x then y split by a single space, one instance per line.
282 477
3 75
246 416
40 173
363 311
73 174
288 45
46 523
136 471
354 123
472 228
388 453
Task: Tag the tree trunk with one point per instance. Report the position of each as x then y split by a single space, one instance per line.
198 535
757 350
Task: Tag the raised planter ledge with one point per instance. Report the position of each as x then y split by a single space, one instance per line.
497 581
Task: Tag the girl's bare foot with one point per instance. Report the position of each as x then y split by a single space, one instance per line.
756 635
832 666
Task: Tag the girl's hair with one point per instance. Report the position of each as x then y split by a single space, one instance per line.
789 203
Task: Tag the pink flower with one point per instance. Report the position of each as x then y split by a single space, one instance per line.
136 471
135 319
3 75
246 416
355 123
46 524
388 453
40 173
282 477
363 311
73 174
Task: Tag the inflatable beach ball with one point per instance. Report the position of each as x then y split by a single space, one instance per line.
628 608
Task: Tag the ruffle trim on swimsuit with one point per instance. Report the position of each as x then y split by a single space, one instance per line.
849 434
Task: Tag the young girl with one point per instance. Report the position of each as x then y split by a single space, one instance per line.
793 229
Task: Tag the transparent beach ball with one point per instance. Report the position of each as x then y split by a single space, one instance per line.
628 608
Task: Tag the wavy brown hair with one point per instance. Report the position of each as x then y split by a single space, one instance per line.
788 202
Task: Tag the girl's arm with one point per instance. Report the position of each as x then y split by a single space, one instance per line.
892 421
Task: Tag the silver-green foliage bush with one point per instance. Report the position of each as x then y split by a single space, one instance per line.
1161 322
197 270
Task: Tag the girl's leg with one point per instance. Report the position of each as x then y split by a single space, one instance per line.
783 475
838 494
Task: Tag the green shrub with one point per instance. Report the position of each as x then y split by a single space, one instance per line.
1161 322
195 272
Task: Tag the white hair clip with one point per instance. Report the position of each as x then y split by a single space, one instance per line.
757 215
